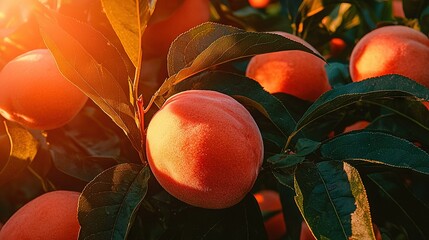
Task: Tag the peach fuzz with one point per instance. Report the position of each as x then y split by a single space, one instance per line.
204 148
293 72
391 50
169 20
35 94
50 216
269 201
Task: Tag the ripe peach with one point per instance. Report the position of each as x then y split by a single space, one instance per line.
397 9
337 47
169 20
426 104
35 94
269 201
356 126
204 148
293 72
391 50
50 216
259 3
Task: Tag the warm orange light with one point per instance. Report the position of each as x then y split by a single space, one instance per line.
259 3
13 12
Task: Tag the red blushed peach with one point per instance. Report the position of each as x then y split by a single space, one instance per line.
391 50
269 201
35 94
204 148
293 72
50 216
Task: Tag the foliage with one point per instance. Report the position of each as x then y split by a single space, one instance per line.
339 183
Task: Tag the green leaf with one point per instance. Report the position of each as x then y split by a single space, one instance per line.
243 89
129 19
241 221
283 160
218 48
369 91
376 148
81 68
404 119
109 203
410 211
304 147
333 201
22 151
192 43
95 146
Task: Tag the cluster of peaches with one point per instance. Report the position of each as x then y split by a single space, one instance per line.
196 133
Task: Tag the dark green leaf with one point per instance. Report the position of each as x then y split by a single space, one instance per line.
306 146
22 151
333 201
129 19
369 91
413 8
93 144
404 119
221 49
408 207
242 221
291 212
186 48
376 148
285 178
284 160
91 76
109 203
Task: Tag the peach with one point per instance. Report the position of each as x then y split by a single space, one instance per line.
35 94
397 9
50 216
356 126
269 201
337 47
169 20
293 72
391 50
204 148
259 3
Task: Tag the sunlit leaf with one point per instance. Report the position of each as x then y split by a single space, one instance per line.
333 201
218 48
109 203
377 148
129 19
91 76
23 149
192 43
